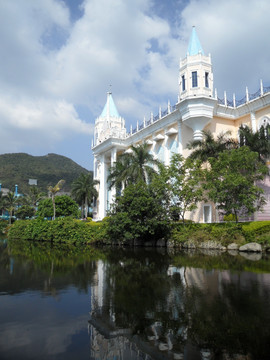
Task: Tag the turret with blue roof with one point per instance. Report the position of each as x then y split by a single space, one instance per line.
194 46
109 124
110 109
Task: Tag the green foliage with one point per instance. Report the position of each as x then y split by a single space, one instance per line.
209 146
65 206
257 141
19 168
137 215
25 211
229 217
223 233
84 192
257 231
65 230
184 184
230 181
3 225
133 167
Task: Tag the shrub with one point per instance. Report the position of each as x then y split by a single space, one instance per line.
65 230
230 217
254 229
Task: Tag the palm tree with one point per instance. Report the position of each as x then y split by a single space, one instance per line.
209 146
84 191
53 190
34 195
258 141
134 166
10 201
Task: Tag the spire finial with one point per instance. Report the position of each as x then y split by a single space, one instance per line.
194 46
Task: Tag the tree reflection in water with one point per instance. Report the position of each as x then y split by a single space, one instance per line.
214 313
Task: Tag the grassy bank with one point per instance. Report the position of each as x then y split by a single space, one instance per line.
223 233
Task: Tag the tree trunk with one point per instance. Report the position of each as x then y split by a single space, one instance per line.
85 207
53 201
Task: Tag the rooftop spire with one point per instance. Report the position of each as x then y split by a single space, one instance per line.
110 109
194 46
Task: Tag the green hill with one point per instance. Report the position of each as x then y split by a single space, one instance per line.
48 170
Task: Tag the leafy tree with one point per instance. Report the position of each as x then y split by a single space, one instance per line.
84 191
184 185
135 166
24 212
137 215
258 141
10 202
53 190
211 147
230 181
64 206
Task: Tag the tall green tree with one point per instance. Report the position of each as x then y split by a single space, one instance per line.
258 141
53 190
84 191
209 146
230 181
184 185
137 215
64 206
134 166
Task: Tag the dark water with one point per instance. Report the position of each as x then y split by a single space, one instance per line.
82 303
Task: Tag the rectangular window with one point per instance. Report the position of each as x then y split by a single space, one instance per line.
194 79
207 214
207 79
183 83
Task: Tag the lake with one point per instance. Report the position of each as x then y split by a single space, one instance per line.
67 302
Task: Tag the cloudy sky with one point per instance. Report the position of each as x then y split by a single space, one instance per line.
58 59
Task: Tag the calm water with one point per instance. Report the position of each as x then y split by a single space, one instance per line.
81 303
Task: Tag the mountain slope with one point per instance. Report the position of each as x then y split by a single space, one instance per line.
18 168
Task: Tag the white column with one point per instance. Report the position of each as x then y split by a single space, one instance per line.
180 146
113 160
102 189
253 122
166 150
197 135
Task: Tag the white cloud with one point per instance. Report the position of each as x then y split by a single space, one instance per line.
49 65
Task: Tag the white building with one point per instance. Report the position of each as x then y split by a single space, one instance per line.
198 108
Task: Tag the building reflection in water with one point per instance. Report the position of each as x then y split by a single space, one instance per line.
186 312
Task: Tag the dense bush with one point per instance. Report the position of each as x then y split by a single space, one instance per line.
198 233
3 225
65 230
137 215
65 206
257 231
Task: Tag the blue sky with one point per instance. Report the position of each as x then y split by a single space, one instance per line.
59 58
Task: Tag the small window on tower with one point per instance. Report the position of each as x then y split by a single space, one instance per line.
183 83
194 79
207 79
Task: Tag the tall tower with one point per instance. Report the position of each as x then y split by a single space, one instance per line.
109 124
110 133
196 87
196 76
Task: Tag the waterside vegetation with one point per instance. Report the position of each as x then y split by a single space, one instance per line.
153 199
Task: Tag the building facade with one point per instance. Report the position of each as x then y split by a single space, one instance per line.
198 108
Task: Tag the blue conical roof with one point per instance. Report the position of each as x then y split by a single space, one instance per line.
110 108
194 46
